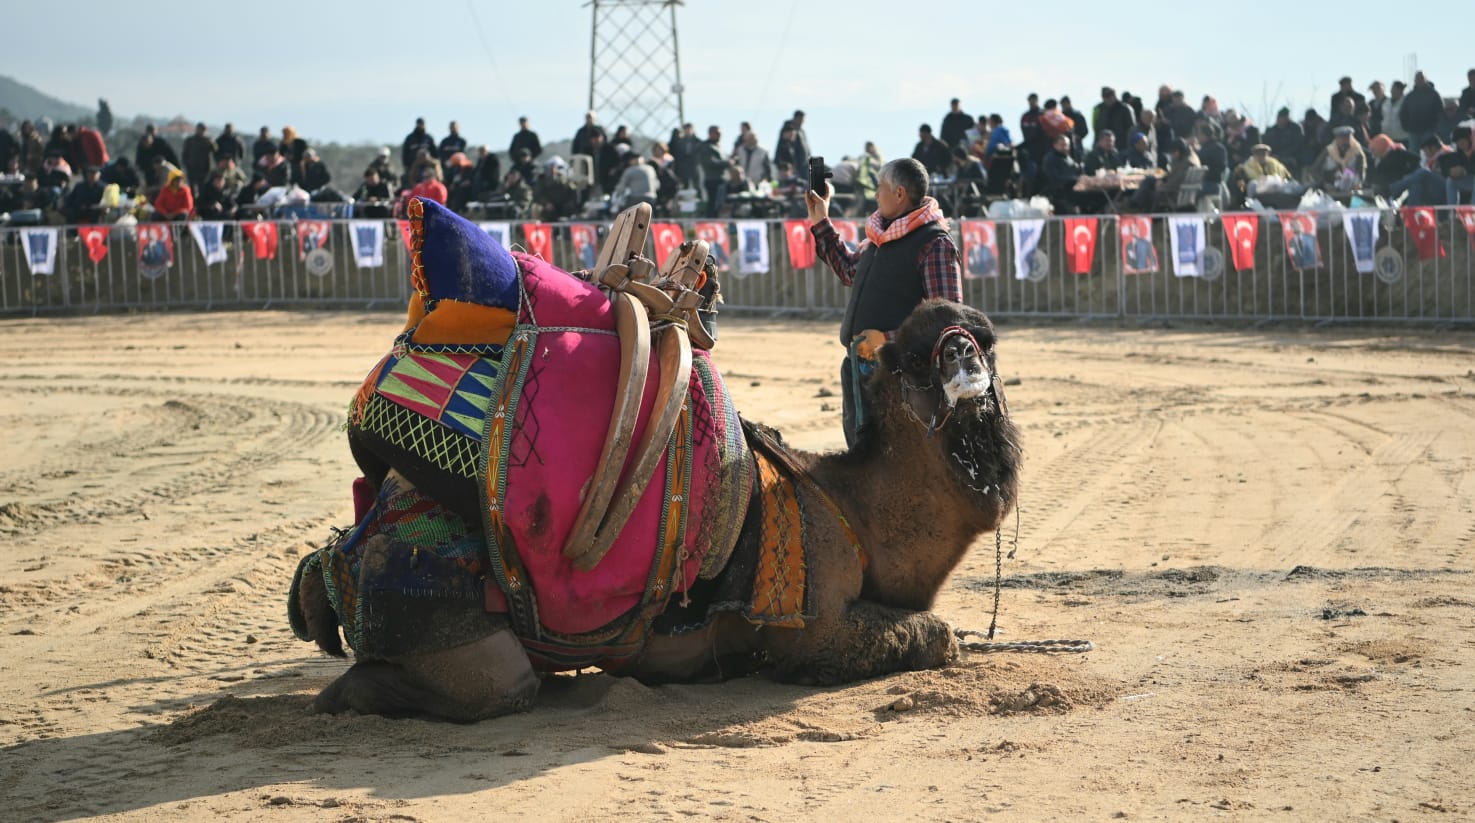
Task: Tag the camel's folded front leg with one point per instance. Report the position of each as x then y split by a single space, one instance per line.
868 640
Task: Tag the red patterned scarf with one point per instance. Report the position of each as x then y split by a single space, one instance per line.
928 212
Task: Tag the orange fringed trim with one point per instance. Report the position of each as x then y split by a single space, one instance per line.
416 212
778 585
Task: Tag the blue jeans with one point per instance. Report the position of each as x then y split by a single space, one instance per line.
1424 187
1454 187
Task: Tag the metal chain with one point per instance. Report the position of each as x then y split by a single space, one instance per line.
989 646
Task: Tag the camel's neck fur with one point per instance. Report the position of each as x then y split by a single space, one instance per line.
914 517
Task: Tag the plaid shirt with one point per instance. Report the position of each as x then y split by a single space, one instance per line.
942 276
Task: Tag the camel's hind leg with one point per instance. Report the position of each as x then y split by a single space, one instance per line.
868 640
473 682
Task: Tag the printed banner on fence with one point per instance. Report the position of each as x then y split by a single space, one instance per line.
312 235
500 232
367 239
716 236
1361 226
1186 233
980 249
801 243
155 249
1080 244
40 245
849 231
586 245
1424 231
1467 217
263 237
1026 240
1299 230
95 238
1243 231
210 240
752 247
667 237
1139 255
539 237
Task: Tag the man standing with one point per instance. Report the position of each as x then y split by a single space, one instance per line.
261 145
1378 106
684 155
199 153
525 138
800 142
1116 116
1392 113
931 153
1081 128
1467 97
1458 167
452 143
584 137
415 141
1421 111
907 257
714 170
1344 89
954 124
753 158
1033 135
229 144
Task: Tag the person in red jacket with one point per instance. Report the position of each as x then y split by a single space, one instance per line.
175 202
430 186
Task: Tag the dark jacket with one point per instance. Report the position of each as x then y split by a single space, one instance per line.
125 176
1181 117
1285 141
229 145
1358 101
888 284
934 156
1215 160
954 124
1082 128
213 204
1099 158
584 137
315 175
415 141
451 144
525 139
1395 165
199 156
1422 109
260 148
1058 172
1117 118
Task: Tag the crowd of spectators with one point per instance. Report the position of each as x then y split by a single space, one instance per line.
1396 142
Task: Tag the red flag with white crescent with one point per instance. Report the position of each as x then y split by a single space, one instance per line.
1424 230
801 243
1080 243
96 240
668 238
980 249
586 245
263 236
717 242
539 237
1467 217
1243 231
311 235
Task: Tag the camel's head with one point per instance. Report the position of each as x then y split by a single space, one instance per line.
941 382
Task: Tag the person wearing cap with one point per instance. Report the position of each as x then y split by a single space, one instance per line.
198 155
1138 154
1458 166
1345 91
525 138
382 166
1262 164
174 202
1341 165
1391 162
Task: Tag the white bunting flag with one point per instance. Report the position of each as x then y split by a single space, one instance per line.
40 245
1026 240
367 239
752 247
210 239
1187 235
500 232
1361 226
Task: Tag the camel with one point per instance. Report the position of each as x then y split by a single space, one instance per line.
883 524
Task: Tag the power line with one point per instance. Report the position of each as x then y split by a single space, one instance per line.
777 58
487 49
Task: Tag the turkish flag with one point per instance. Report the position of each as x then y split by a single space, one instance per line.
540 239
263 238
311 235
1424 231
849 231
586 246
980 249
1467 216
717 243
96 240
1080 243
1243 231
668 238
801 243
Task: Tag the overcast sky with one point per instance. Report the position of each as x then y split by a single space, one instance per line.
862 69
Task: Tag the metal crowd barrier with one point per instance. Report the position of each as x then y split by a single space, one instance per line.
1403 287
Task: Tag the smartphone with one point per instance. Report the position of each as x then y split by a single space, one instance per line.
817 175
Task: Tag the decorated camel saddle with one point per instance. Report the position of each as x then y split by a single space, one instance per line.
561 442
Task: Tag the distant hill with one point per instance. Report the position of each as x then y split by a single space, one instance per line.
25 102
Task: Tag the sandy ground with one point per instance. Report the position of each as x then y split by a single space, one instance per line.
1268 534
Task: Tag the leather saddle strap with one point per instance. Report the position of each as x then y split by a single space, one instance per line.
674 356
633 328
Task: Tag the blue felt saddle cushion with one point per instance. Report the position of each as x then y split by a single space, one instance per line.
462 262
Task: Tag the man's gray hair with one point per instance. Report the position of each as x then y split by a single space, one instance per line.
907 173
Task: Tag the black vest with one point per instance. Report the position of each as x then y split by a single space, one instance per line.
888 283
